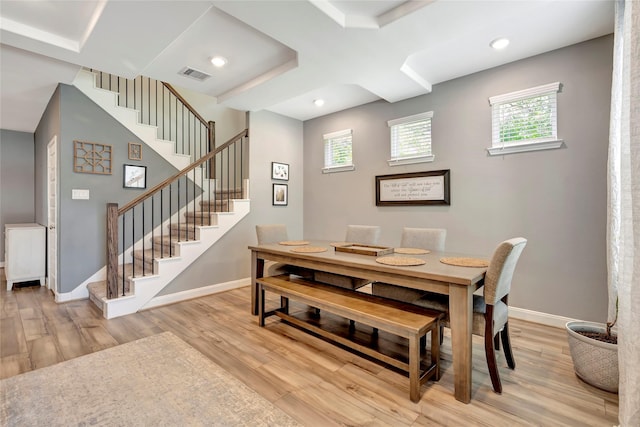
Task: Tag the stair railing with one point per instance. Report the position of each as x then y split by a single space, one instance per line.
162 106
173 202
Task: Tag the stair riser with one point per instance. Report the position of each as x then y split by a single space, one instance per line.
217 206
182 234
200 219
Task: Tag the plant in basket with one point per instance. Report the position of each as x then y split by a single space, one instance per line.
594 351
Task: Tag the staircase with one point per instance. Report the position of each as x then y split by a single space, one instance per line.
196 206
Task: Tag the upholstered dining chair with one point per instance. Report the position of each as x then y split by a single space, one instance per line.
490 310
363 234
432 239
274 233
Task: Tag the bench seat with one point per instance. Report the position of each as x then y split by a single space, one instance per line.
404 320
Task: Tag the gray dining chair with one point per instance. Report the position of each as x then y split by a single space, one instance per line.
432 239
362 234
275 233
491 309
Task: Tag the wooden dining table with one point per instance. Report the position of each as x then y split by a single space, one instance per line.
457 282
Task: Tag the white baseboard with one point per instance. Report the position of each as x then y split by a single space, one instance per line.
76 294
539 317
196 293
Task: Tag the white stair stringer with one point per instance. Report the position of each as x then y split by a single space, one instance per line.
167 269
108 101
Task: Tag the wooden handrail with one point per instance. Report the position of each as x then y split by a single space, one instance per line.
177 175
186 104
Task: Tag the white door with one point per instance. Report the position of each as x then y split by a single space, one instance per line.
52 206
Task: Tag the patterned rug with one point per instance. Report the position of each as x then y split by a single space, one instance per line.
155 381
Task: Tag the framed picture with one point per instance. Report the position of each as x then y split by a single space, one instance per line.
280 171
135 151
418 188
135 176
280 195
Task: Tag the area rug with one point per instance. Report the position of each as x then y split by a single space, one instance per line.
155 381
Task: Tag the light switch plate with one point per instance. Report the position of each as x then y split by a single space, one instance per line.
79 194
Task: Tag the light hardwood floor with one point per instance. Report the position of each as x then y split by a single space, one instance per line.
314 381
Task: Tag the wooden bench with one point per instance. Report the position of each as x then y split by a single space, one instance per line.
404 320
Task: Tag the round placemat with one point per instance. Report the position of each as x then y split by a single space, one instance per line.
465 262
400 260
411 251
339 244
309 249
294 243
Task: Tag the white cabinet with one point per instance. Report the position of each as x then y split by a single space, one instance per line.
24 253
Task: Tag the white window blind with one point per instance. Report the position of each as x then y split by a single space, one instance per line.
525 120
411 139
338 154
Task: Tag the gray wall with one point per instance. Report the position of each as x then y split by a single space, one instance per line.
555 198
272 138
16 180
81 223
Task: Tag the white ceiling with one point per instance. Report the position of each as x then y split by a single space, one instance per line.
282 54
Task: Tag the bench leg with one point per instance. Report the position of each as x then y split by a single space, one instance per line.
284 304
260 290
435 350
414 368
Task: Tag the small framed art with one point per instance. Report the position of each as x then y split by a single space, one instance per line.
135 176
280 171
135 151
280 195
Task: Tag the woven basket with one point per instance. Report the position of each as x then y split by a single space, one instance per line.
595 362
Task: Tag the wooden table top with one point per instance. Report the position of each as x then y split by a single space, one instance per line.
433 269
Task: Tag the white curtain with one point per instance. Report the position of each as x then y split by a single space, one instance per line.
623 232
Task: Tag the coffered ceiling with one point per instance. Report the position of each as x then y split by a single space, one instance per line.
281 55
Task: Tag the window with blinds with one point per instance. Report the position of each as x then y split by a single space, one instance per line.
525 120
411 139
338 154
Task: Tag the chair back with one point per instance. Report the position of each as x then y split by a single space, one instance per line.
271 233
497 281
364 234
424 238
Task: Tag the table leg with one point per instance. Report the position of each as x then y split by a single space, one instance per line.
414 368
461 323
257 271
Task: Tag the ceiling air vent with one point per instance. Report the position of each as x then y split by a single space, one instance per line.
194 74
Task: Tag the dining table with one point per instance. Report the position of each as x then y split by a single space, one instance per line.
459 282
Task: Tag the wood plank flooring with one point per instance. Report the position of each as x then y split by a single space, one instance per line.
314 381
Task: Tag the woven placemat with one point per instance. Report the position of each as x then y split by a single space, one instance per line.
465 262
309 249
294 243
411 251
339 244
400 260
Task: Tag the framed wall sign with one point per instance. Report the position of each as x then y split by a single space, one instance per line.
280 195
135 176
418 188
280 171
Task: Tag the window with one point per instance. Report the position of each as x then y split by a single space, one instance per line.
411 139
337 151
526 120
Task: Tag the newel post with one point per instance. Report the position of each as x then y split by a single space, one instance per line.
112 250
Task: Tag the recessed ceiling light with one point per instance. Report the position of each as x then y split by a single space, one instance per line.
318 102
219 61
500 43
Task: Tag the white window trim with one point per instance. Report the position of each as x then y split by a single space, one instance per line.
416 159
334 169
341 168
546 144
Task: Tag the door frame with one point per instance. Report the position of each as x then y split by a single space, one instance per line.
52 246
